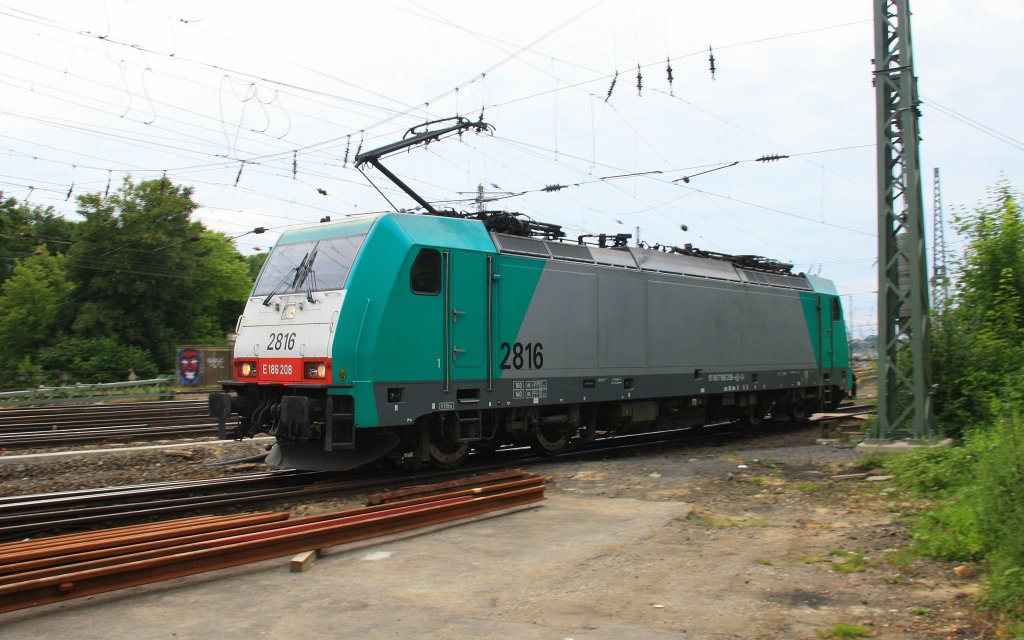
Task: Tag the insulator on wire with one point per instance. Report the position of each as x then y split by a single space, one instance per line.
774 157
348 145
612 86
668 70
71 189
239 176
639 81
295 164
553 187
711 61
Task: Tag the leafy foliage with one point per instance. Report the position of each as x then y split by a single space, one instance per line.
95 360
978 341
978 356
1000 506
25 229
32 312
255 262
928 472
149 274
119 289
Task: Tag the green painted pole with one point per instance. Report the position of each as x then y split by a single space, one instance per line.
904 366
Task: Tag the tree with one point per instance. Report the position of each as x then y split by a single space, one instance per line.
256 261
221 288
978 344
32 309
23 228
150 275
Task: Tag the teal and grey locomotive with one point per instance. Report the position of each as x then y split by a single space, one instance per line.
423 337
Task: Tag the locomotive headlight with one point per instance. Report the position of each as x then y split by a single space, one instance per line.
247 369
316 370
289 312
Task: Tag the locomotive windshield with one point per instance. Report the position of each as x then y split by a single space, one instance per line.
313 265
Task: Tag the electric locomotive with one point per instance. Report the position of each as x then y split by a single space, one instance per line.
421 337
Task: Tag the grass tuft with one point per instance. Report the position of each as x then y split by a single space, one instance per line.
845 630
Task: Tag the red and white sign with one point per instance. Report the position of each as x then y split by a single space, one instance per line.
279 370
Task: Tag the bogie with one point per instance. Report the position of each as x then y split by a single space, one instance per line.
445 451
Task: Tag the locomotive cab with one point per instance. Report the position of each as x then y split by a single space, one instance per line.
283 370
348 317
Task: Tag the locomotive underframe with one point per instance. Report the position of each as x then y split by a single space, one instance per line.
315 425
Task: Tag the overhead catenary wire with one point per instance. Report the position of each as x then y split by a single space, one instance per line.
974 124
475 78
293 152
527 46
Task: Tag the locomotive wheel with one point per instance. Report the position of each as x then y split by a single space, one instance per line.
549 440
445 451
798 412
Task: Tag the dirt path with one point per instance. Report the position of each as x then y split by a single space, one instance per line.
772 546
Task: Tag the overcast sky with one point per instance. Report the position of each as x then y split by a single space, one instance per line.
262 106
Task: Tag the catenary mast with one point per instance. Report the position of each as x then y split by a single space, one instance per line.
904 387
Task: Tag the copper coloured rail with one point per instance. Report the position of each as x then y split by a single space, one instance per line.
64 567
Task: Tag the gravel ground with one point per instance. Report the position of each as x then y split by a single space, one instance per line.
770 538
36 471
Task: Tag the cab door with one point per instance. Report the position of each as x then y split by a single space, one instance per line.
466 315
830 313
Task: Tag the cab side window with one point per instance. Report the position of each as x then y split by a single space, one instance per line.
425 274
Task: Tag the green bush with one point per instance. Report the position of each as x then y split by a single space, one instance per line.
977 345
949 532
977 350
89 360
999 498
978 502
929 471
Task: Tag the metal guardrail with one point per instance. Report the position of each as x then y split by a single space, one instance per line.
161 387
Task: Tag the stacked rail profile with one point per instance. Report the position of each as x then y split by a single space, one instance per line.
60 568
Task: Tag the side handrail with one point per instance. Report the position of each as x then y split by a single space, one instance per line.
160 387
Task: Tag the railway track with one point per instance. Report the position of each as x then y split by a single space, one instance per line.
71 566
40 514
89 423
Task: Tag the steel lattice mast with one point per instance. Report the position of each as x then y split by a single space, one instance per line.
904 387
940 280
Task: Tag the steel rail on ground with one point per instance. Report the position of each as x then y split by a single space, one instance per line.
31 576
